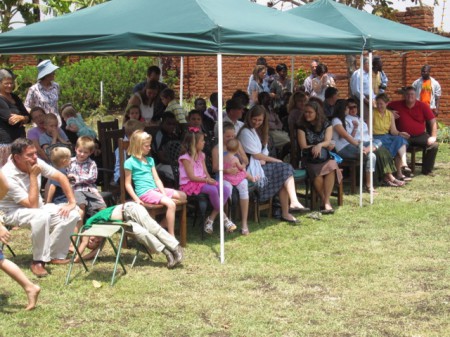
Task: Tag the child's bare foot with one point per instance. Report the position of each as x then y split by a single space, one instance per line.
32 295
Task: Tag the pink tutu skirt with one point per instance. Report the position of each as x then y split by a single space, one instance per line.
192 187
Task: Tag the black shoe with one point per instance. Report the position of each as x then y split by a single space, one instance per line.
327 211
407 171
169 257
178 254
294 221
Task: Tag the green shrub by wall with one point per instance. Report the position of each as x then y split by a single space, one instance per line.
80 82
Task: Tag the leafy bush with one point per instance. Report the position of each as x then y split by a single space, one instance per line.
80 82
443 134
300 76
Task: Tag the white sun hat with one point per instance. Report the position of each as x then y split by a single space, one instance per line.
45 67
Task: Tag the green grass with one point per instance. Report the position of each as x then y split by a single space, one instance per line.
379 270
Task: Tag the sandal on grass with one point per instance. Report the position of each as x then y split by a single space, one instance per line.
367 189
399 183
229 225
245 231
394 183
208 227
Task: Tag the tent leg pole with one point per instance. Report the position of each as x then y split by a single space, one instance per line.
361 120
292 72
181 79
220 143
370 123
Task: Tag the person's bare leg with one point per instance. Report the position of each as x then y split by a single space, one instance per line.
328 183
170 214
318 185
284 202
244 214
289 185
213 214
402 154
81 248
367 178
32 290
179 195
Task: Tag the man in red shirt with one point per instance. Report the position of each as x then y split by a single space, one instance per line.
414 116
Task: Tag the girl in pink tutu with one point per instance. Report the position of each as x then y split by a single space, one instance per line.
140 171
195 179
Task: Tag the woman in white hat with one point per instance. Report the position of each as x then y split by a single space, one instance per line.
45 93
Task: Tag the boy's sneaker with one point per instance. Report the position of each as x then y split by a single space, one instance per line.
229 225
208 228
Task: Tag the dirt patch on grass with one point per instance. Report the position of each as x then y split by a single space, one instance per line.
219 334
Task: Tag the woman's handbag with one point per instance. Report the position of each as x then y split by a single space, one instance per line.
323 157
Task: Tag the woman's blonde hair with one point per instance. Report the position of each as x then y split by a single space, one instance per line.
136 141
256 71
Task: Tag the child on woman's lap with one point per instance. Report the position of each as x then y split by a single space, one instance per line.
195 179
236 175
230 162
140 171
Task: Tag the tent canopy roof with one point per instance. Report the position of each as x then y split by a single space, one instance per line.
179 27
380 33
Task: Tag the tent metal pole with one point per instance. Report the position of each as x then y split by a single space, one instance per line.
292 72
361 120
181 79
220 143
371 123
160 65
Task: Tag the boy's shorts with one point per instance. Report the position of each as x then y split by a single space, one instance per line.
155 196
92 201
2 257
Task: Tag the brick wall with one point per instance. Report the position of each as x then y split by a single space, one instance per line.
200 72
402 68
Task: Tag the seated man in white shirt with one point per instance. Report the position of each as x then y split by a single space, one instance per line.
51 225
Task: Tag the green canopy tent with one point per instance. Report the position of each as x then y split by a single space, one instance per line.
378 33
185 27
180 27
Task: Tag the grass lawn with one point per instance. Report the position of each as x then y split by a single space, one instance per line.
380 270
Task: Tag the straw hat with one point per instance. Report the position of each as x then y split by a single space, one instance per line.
45 68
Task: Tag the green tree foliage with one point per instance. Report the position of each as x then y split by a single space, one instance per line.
60 7
80 82
380 7
16 12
